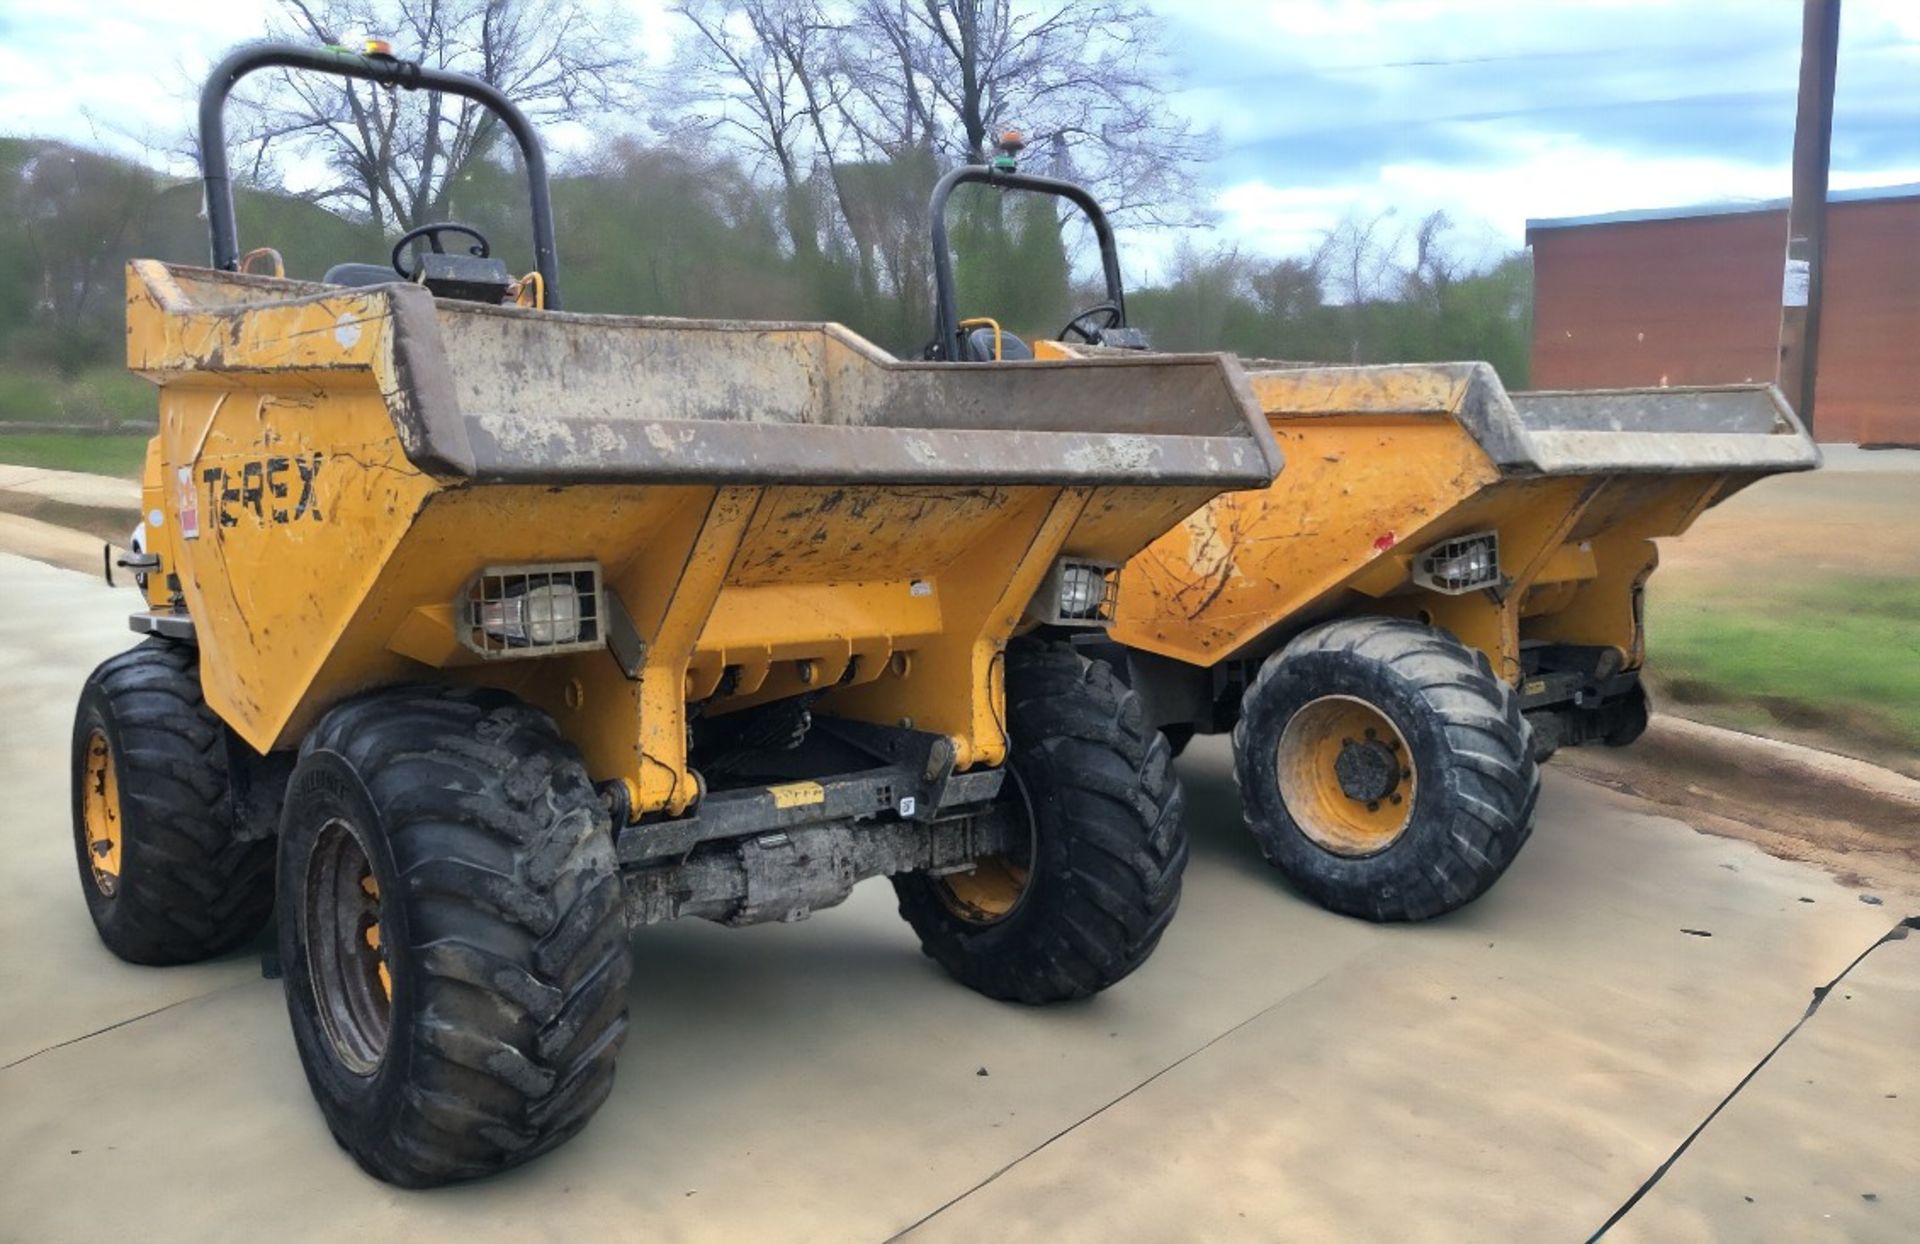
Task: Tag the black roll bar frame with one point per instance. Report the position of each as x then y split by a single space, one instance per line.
946 309
384 71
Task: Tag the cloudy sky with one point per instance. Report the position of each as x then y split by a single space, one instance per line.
1501 110
1495 110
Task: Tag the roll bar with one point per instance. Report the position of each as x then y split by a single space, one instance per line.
946 310
386 71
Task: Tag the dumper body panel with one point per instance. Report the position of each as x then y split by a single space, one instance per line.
773 510
1443 588
1386 463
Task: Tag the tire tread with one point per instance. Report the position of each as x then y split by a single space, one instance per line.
1491 777
1079 738
506 862
190 889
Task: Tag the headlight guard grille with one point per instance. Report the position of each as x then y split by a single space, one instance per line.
1077 592
532 610
1460 565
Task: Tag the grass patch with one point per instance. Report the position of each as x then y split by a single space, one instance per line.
27 395
1840 655
107 393
75 451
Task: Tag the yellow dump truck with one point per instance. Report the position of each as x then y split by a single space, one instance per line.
477 634
1442 588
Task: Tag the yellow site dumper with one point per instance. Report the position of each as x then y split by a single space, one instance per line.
1443 586
479 633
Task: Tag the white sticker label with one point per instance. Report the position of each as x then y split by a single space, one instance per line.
187 501
1797 284
156 519
920 587
346 329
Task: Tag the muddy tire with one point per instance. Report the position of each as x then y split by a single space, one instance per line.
1630 718
164 878
451 934
1086 901
1385 769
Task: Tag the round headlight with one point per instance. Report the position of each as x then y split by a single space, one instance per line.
539 617
1081 588
552 614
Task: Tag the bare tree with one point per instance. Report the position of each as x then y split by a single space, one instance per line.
396 155
1434 267
851 102
884 65
1084 79
1357 257
768 73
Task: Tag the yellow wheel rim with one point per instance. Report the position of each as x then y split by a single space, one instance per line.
987 893
371 937
1346 776
990 890
100 813
347 960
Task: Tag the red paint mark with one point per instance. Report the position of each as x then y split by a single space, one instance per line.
1385 542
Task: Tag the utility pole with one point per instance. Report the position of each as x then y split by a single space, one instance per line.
1807 216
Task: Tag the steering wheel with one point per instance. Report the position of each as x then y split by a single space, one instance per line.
432 232
1109 315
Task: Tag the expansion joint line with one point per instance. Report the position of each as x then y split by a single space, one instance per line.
1896 933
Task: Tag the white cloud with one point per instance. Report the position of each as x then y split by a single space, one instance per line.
123 75
1491 204
1498 110
117 77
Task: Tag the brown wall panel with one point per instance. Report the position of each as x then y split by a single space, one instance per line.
1697 301
1869 386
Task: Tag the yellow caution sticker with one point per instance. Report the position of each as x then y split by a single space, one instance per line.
797 794
1535 687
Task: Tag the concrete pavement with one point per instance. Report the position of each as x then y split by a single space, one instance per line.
61 517
1514 1071
76 488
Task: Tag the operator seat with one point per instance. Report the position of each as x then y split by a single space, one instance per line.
1012 349
360 275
